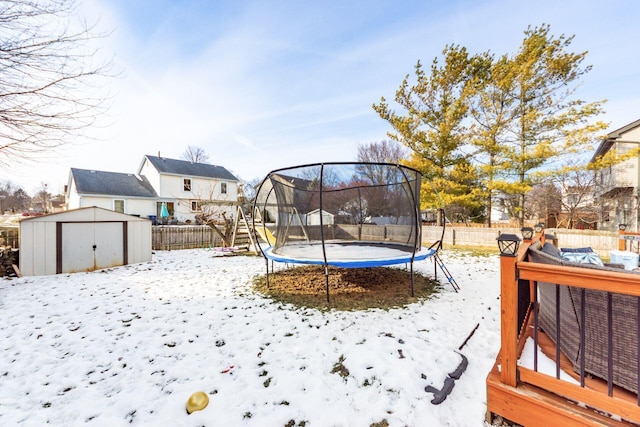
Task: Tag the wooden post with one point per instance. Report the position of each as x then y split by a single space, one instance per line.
622 244
508 320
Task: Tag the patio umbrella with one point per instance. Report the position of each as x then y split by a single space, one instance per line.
164 212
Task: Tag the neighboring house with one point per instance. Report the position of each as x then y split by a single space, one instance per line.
186 189
617 186
579 209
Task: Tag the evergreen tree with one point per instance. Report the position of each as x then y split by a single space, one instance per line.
432 121
547 123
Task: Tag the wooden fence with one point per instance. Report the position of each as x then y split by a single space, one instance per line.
600 241
169 237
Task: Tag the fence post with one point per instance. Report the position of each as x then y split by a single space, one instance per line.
508 320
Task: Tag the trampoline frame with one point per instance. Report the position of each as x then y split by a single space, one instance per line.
416 253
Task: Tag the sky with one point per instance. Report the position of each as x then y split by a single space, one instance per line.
261 85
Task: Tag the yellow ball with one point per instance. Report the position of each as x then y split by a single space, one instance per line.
197 402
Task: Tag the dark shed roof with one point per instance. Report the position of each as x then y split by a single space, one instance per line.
183 167
111 183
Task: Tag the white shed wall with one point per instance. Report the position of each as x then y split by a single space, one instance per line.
38 247
139 241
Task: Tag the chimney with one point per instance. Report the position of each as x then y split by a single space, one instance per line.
159 154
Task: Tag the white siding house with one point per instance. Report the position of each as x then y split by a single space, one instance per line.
185 188
84 239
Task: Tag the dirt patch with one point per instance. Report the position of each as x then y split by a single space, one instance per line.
349 288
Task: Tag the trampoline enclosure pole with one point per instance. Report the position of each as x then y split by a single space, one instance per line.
267 263
412 278
326 279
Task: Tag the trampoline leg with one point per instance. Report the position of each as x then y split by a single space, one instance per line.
326 278
267 262
412 279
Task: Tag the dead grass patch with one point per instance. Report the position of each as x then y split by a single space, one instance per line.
349 288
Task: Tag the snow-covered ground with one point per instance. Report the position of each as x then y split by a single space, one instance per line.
129 345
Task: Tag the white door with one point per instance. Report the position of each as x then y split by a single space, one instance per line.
88 246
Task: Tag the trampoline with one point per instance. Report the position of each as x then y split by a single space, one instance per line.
348 215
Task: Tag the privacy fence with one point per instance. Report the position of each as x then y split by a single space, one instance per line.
600 241
170 237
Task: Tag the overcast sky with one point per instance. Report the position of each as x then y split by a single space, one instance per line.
261 85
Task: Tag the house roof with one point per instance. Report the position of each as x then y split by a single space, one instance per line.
607 143
185 168
111 183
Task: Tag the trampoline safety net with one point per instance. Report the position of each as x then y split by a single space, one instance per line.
339 211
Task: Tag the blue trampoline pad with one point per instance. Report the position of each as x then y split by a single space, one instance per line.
347 254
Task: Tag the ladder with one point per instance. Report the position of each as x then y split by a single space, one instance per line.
243 236
438 261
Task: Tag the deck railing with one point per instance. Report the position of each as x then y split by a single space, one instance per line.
519 322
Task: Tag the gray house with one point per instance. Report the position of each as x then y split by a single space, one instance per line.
181 188
617 187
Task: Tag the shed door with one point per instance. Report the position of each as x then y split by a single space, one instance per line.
90 246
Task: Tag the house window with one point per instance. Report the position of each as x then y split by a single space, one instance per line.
223 188
195 206
118 206
186 184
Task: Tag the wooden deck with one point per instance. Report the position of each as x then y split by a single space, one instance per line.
531 405
531 398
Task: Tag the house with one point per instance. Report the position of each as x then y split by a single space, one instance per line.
617 185
184 188
579 210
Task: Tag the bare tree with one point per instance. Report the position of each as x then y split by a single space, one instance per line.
578 207
384 151
49 78
13 197
215 208
543 202
195 154
43 197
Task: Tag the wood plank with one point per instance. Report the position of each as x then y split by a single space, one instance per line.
596 399
16 269
548 348
532 406
612 281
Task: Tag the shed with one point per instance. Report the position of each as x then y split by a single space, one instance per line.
84 239
313 217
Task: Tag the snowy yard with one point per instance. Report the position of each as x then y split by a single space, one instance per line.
129 345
